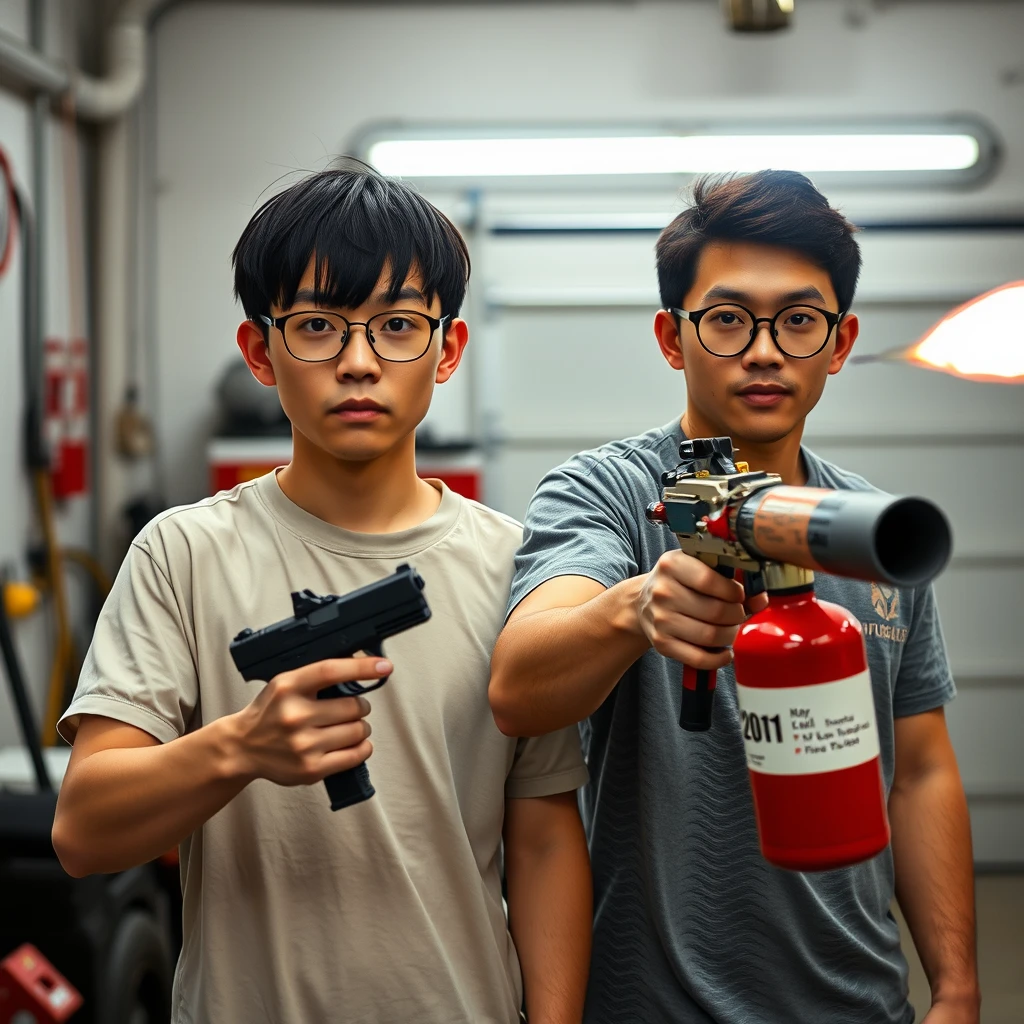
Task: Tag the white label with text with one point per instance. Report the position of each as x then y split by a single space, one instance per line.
803 730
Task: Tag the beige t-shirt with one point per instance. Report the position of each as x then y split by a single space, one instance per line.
387 911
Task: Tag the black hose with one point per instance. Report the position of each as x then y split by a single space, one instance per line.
36 453
29 729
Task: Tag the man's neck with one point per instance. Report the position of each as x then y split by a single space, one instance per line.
782 456
380 496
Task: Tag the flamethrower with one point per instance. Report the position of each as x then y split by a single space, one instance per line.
733 518
806 703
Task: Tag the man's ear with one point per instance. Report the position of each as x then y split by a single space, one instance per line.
667 333
846 334
452 346
253 345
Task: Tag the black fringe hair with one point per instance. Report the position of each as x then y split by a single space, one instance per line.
353 222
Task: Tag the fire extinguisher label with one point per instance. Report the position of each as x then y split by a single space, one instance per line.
803 730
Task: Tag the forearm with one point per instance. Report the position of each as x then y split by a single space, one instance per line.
553 668
931 843
125 806
550 904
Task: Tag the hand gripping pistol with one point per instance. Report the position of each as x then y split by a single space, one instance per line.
329 626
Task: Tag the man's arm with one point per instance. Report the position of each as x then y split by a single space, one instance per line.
127 798
568 642
931 843
550 904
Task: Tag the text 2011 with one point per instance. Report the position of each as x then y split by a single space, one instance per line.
759 728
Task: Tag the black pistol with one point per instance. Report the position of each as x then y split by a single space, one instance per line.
333 626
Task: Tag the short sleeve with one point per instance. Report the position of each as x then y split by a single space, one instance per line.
581 522
546 765
141 666
924 680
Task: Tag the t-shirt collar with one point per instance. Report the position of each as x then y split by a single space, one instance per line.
314 530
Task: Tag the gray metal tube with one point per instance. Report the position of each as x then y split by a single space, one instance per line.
96 99
31 68
869 535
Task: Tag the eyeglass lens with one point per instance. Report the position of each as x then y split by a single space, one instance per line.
397 336
726 330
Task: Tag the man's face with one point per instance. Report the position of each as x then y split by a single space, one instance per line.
357 406
761 394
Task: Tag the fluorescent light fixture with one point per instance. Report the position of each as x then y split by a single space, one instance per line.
674 154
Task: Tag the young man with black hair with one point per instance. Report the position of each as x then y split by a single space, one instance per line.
391 909
757 280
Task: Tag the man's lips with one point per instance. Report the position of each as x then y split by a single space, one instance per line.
358 410
763 395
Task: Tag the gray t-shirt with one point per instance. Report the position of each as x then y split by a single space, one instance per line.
691 923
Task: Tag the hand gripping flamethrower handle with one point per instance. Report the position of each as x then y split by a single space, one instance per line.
732 518
699 684
329 626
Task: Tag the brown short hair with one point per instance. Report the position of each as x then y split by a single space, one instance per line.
781 208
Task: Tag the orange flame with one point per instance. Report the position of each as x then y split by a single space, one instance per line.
981 340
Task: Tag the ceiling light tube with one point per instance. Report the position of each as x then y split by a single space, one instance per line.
956 150
885 152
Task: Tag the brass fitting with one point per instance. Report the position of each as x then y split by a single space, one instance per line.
782 576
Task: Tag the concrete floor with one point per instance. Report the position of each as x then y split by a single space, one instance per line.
1000 908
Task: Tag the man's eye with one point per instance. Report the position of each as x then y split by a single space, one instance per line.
318 325
727 319
397 324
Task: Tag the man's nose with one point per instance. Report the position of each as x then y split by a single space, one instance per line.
762 350
358 359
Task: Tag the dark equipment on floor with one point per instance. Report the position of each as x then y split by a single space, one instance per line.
108 935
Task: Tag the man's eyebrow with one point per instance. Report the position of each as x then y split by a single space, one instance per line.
808 294
407 292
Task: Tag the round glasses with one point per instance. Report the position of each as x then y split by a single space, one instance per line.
318 336
728 329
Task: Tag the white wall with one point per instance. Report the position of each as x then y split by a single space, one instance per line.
18 521
247 93
244 95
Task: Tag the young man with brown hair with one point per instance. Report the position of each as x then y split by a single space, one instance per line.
391 909
691 923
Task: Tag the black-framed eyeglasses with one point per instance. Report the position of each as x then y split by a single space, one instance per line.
728 329
318 336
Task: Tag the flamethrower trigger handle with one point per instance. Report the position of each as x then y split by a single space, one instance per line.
698 700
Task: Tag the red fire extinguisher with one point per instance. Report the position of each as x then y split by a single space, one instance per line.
66 387
808 718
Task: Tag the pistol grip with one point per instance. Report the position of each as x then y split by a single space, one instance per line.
698 700
349 787
352 786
